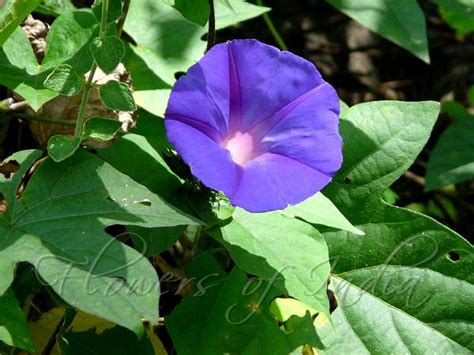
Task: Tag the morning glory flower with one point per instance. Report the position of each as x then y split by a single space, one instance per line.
256 123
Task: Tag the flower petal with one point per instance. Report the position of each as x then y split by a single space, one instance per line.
207 160
272 181
259 124
308 132
201 97
268 79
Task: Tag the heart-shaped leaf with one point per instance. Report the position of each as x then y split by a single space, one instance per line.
101 129
62 147
107 52
64 80
67 42
401 21
392 284
117 96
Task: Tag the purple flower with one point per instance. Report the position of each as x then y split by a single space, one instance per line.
259 124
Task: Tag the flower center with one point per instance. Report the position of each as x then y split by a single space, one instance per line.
241 147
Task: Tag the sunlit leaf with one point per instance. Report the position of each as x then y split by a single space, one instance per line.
13 14
67 43
101 129
58 226
395 277
282 249
62 147
64 80
117 96
400 21
13 326
107 52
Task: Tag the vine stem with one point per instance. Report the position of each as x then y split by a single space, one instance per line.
84 100
276 35
42 119
211 35
88 85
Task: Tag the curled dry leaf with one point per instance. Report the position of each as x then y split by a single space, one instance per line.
36 31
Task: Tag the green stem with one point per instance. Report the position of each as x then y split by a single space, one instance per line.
84 100
103 19
211 33
88 85
276 35
121 22
42 119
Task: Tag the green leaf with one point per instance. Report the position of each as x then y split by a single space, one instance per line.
196 11
365 323
20 70
459 14
400 21
13 325
114 11
55 7
226 3
64 80
62 147
128 154
279 248
152 241
9 187
377 150
117 96
452 159
470 94
67 43
169 43
456 110
107 52
153 129
318 209
13 15
390 196
101 129
116 340
405 259
149 91
285 308
230 314
58 226
343 106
